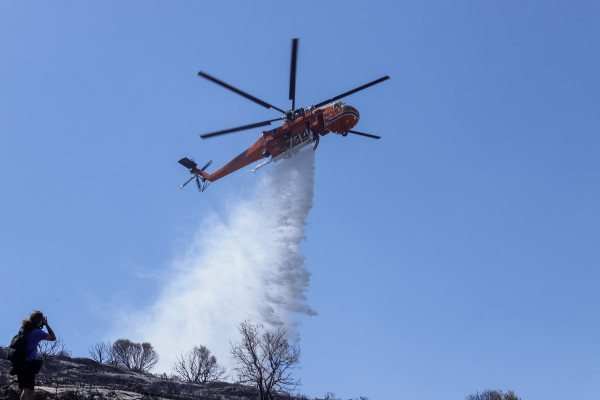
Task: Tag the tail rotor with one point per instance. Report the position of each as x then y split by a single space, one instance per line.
196 173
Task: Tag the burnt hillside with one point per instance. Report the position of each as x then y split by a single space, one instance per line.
82 378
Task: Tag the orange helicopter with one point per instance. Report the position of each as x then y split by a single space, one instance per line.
302 126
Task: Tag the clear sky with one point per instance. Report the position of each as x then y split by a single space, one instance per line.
459 253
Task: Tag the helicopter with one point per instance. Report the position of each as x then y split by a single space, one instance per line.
301 127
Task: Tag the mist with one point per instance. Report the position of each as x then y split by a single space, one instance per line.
247 265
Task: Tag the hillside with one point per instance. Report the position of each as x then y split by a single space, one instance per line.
82 378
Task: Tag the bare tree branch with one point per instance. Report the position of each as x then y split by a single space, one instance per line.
198 366
100 352
134 356
50 349
265 359
493 395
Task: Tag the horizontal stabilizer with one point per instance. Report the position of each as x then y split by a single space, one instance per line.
186 162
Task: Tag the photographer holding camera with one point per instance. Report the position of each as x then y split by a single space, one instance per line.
27 370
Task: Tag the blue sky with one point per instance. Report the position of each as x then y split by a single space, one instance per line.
459 253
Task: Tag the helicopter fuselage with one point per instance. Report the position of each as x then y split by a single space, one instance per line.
305 127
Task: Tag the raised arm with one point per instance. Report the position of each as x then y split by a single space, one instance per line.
51 336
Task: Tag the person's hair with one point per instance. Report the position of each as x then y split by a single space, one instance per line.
33 321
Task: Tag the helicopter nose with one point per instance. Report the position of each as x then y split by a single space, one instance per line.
352 116
340 118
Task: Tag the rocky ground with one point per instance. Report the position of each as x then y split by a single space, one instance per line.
82 378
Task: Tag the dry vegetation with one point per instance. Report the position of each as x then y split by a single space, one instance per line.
63 377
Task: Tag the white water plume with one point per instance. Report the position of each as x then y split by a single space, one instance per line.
248 267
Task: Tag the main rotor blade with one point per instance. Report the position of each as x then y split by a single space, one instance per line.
352 91
293 73
365 134
239 128
238 91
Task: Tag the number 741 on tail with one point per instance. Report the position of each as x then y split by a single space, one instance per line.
301 127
